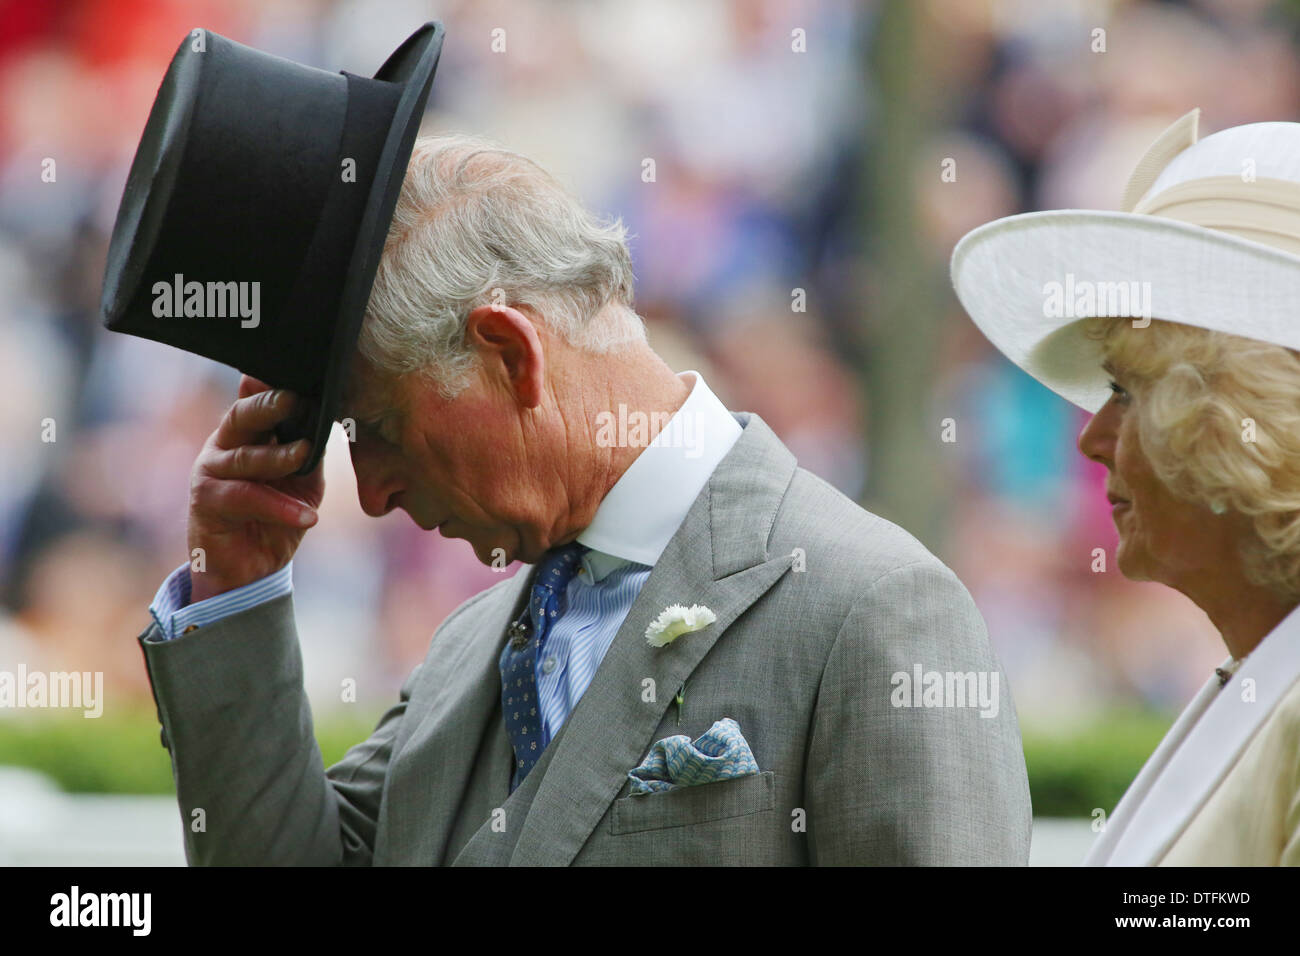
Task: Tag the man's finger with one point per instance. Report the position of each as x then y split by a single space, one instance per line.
251 386
236 501
256 462
249 419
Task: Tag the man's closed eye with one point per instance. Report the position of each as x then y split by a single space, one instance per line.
380 429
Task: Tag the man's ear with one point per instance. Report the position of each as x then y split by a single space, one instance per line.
511 349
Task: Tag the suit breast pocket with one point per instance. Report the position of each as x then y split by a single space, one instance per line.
737 797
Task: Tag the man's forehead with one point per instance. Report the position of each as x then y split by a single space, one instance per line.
365 392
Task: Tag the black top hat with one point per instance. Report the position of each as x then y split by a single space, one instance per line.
256 211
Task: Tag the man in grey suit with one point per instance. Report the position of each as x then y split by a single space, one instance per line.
503 393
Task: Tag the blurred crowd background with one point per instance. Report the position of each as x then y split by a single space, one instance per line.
776 170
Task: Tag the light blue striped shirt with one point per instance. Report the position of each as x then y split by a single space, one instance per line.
628 533
172 609
595 608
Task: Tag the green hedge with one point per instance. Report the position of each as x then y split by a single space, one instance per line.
1069 774
1073 772
123 753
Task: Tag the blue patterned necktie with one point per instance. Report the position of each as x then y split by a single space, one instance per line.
519 704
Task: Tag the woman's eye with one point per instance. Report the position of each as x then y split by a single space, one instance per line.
1119 391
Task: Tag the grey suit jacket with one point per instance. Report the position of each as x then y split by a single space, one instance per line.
819 606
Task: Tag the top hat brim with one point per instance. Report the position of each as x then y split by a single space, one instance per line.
413 65
1002 273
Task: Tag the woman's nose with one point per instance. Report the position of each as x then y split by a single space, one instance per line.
1097 440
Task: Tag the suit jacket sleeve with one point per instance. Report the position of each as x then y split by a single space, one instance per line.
249 776
907 785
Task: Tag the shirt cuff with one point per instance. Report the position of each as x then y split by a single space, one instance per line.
174 614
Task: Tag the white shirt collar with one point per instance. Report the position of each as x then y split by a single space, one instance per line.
644 509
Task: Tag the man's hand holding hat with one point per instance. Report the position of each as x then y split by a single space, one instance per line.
248 508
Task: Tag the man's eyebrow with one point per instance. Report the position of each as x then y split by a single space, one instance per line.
361 409
368 415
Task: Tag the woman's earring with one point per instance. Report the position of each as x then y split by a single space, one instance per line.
1218 507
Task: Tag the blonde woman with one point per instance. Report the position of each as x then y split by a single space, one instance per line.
1195 384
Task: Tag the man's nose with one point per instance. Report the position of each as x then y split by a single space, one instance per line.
378 486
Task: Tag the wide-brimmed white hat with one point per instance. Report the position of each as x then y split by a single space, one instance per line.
1209 236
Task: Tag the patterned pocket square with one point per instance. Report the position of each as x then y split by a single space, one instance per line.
719 754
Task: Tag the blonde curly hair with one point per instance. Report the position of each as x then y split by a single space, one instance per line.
1219 422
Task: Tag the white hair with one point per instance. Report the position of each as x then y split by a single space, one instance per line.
478 224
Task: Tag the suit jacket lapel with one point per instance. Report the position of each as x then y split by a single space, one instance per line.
494 840
1194 769
431 772
718 557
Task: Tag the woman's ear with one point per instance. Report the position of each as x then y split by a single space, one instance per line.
510 347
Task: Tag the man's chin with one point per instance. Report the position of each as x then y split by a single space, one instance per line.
487 553
424 524
493 556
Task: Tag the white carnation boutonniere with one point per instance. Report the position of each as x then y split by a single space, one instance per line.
676 620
